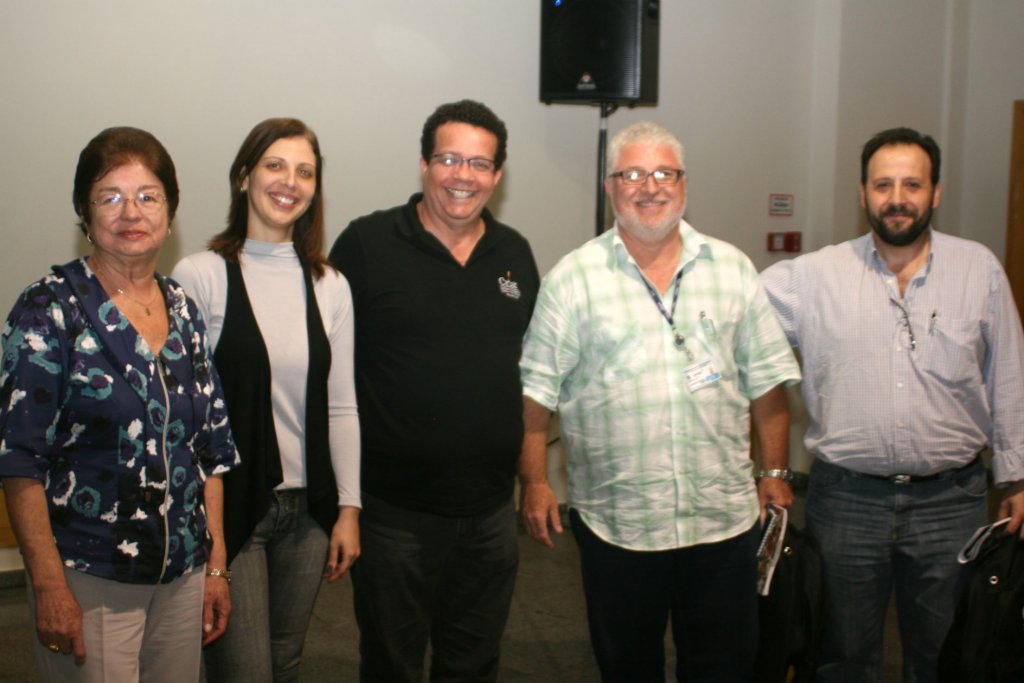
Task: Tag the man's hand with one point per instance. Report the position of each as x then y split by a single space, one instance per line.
537 502
539 506
1013 507
772 490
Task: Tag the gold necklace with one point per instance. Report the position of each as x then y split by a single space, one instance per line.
145 305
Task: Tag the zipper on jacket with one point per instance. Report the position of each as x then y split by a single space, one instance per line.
167 469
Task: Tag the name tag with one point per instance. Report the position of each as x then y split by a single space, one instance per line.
701 374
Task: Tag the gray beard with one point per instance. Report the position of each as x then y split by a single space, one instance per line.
648 235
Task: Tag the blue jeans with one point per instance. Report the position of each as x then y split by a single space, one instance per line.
276 577
423 577
877 537
709 590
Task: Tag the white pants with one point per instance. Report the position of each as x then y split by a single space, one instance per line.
133 633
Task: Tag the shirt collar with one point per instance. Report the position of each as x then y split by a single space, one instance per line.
411 227
121 341
872 256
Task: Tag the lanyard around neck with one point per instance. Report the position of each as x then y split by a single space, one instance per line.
677 337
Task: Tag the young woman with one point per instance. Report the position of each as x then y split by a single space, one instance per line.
280 323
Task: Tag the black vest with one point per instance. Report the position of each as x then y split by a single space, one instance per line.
244 368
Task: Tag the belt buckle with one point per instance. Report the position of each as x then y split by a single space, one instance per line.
900 479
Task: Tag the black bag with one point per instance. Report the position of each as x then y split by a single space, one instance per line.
791 615
985 644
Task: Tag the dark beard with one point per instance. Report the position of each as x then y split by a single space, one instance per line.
899 239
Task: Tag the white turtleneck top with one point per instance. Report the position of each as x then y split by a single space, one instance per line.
273 279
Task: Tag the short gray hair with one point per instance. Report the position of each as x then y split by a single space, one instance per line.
646 132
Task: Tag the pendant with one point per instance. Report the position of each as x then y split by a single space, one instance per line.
680 341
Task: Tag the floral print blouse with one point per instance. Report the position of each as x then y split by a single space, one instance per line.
121 439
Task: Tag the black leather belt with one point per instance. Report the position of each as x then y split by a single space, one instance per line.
901 479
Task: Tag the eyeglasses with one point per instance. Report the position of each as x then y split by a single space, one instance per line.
453 161
906 322
114 202
638 176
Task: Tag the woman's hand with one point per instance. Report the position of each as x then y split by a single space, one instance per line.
58 615
59 622
216 597
344 547
216 608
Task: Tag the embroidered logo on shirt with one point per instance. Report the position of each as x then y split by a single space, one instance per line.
509 287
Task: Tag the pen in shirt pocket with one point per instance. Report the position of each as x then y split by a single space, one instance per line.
709 325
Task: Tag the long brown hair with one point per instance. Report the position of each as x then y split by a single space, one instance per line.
308 236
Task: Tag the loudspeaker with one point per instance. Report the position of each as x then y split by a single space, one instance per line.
599 51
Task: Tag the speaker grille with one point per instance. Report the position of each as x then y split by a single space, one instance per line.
599 50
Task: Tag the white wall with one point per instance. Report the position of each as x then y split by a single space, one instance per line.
773 97
890 74
767 97
735 83
994 79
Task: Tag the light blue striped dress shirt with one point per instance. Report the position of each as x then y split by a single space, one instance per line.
881 405
654 465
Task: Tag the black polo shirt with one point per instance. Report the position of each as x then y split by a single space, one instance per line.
437 359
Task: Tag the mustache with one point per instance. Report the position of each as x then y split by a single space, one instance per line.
899 210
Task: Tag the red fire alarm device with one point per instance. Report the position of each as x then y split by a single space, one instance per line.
792 242
785 241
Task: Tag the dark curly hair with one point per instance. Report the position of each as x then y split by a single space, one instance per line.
464 111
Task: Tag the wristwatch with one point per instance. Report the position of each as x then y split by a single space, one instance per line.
785 474
218 572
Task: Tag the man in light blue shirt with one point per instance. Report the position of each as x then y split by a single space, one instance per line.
913 363
658 347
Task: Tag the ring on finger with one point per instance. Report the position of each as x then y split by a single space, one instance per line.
53 647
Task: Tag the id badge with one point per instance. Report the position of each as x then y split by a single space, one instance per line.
701 374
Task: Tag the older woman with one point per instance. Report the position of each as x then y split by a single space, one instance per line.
114 434
281 325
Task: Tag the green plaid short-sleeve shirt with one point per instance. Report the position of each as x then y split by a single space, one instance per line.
658 449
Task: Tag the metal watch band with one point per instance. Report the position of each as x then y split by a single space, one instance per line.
222 573
784 474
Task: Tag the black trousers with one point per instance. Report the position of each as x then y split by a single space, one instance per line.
424 578
709 591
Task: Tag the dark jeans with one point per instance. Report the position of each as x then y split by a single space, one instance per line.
423 577
710 592
877 537
276 580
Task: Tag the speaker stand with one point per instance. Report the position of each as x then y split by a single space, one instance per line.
607 109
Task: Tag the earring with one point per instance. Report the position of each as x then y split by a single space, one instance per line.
88 236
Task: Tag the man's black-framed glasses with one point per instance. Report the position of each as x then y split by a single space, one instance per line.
476 164
638 176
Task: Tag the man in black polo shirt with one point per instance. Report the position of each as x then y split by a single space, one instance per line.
443 294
